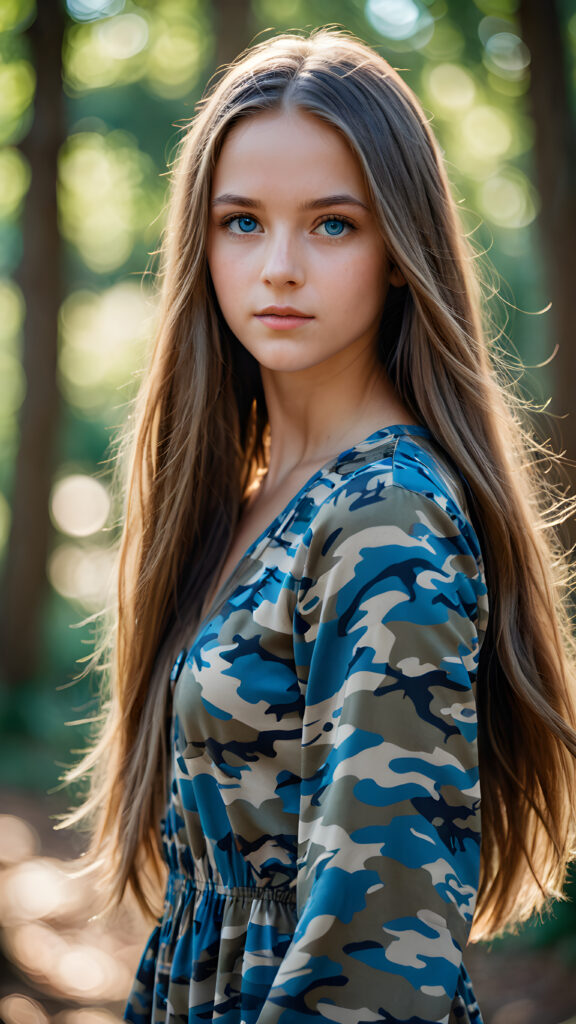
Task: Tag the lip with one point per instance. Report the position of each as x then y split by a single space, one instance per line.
283 311
283 318
283 321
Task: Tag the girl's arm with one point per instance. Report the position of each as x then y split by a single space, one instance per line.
386 640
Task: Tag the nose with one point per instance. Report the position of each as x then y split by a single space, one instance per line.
283 261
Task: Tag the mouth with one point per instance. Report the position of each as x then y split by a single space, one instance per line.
283 321
284 311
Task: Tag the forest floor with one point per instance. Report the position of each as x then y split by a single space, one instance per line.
59 967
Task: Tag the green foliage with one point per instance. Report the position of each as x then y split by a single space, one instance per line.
160 45
109 197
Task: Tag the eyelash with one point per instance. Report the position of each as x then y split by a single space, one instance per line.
328 217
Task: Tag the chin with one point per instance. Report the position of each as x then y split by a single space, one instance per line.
288 365
283 358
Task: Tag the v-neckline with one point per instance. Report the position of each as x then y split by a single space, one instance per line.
259 544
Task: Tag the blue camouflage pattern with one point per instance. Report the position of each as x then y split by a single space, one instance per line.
322 831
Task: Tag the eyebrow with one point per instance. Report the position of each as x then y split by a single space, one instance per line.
337 199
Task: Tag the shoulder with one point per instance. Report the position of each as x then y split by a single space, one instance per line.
394 492
395 524
393 540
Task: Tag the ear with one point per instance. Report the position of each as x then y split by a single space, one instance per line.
396 276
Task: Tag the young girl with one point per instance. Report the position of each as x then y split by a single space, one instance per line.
333 550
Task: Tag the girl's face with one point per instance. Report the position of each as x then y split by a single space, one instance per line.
296 257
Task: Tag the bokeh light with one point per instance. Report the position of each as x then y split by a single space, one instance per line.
17 84
486 133
124 36
109 195
88 1016
12 390
11 308
80 505
88 10
104 338
508 199
163 46
18 840
176 57
86 971
451 88
5 519
18 1009
90 973
446 43
15 14
74 969
507 55
36 889
82 573
35 948
78 964
14 181
92 64
12 383
398 19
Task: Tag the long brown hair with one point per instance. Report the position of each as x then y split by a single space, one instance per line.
200 434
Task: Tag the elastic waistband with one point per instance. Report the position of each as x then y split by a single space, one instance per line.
278 894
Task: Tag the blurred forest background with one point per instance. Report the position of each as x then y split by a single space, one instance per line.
93 98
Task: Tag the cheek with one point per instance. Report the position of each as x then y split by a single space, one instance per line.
224 272
363 280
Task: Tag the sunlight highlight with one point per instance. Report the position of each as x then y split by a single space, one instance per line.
17 85
104 338
35 948
398 19
18 840
17 1009
36 889
88 10
109 195
88 1016
82 573
14 181
124 36
508 53
451 88
508 199
486 132
80 505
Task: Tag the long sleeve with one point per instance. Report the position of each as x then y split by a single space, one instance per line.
387 628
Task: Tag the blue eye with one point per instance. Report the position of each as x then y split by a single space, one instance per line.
246 224
335 226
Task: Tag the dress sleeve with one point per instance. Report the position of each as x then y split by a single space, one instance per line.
387 628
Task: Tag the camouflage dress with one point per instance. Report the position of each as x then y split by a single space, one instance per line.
323 824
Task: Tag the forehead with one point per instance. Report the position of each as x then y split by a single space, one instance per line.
288 151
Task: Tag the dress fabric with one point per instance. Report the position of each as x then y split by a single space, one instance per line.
322 830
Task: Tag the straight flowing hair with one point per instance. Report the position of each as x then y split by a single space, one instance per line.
200 436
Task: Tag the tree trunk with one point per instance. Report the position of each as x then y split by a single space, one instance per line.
233 25
40 278
555 155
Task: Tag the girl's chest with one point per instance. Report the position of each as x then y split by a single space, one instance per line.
259 515
240 677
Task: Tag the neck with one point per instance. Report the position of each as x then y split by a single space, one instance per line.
318 413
